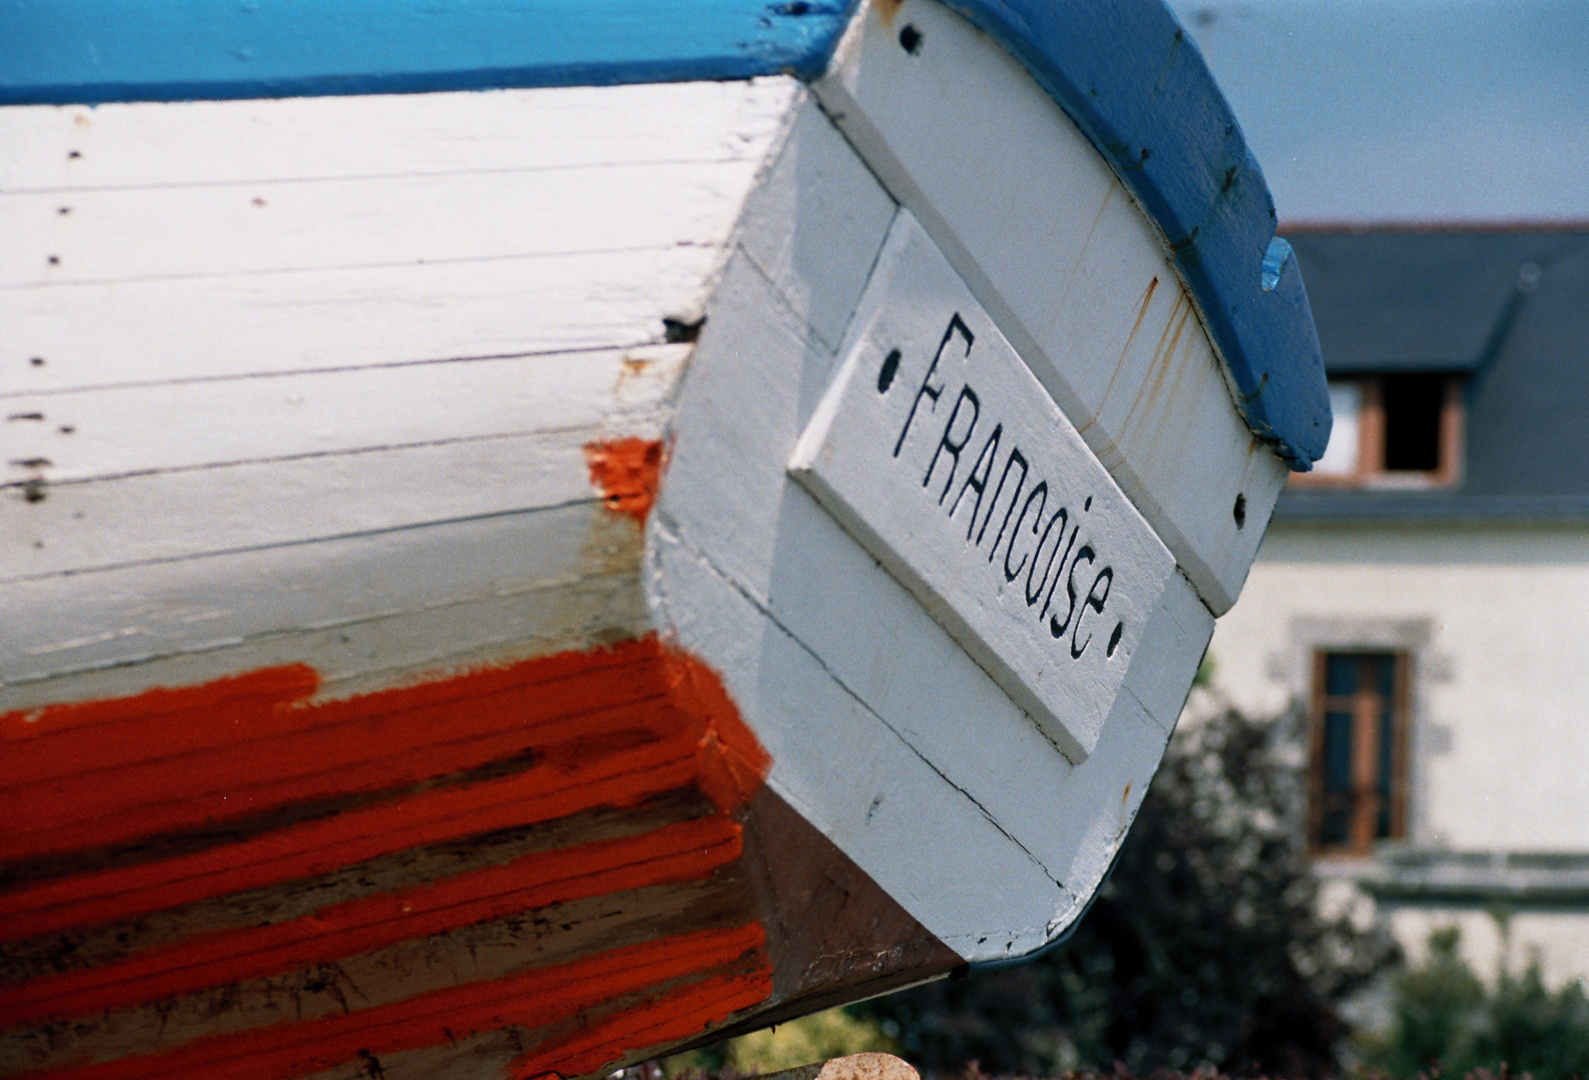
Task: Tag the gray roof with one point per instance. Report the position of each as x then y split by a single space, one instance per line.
1506 308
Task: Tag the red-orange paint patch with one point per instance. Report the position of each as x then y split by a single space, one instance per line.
626 472
256 785
707 976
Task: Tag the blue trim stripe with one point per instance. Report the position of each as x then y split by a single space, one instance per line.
1129 76
92 51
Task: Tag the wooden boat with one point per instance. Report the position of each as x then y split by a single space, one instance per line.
542 533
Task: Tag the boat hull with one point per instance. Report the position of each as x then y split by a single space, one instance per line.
464 617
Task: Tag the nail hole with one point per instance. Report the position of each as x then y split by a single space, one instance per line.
36 361
73 155
66 429
910 39
1239 511
677 331
64 210
885 378
55 260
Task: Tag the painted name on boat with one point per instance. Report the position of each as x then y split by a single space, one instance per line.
939 450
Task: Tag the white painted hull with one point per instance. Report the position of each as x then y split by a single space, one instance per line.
384 389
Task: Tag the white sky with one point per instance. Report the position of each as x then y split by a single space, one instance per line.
1408 110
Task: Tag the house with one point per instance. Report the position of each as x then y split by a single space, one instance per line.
1423 594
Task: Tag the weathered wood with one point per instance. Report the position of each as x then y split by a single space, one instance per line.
310 138
1069 267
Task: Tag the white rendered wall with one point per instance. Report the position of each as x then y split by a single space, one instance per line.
1497 622
1500 716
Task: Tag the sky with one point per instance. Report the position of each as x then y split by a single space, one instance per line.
1408 111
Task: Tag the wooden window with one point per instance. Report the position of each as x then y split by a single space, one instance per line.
1401 430
1357 774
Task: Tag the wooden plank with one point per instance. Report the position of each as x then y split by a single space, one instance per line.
320 138
812 223
771 297
1069 268
190 425
132 234
169 516
104 335
96 52
363 607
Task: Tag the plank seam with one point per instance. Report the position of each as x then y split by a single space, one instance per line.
341 369
502 170
312 455
23 286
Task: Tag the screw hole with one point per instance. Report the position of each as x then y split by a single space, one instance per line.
678 331
885 377
1239 511
910 39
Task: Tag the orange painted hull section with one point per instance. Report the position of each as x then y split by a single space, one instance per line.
150 814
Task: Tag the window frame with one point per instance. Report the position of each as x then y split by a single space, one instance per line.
1361 838
1370 471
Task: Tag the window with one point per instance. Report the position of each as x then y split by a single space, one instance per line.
1357 773
1391 431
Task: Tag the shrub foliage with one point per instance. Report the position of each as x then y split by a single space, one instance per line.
1447 1021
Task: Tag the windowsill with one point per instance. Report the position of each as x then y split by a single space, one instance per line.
1399 873
1384 481
1322 503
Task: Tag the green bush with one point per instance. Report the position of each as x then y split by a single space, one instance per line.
1447 1021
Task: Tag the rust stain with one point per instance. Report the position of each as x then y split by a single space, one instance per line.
1152 388
887 9
626 472
1142 311
1075 269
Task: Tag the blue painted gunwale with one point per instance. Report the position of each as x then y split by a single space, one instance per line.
65 52
1129 76
1123 70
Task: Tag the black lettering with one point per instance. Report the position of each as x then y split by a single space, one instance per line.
1015 456
1056 628
1063 559
954 448
1032 594
1040 492
989 451
926 389
1106 578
